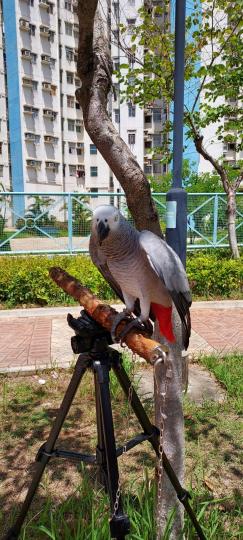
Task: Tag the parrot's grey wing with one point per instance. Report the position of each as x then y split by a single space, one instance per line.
170 269
99 261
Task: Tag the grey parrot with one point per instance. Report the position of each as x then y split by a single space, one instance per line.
145 273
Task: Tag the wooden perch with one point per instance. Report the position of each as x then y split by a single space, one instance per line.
137 341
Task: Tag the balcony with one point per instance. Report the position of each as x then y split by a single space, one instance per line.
32 137
31 110
29 83
49 113
44 31
52 166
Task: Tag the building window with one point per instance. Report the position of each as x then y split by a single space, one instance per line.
131 138
70 101
71 125
92 149
117 116
68 6
116 63
69 77
131 110
32 29
62 123
131 2
157 117
78 126
130 25
80 149
61 72
157 139
71 148
69 54
68 29
94 171
1 171
72 170
94 191
1 147
157 167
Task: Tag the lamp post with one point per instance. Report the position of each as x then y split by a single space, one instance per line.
176 198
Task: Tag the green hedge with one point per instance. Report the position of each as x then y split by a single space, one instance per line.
25 280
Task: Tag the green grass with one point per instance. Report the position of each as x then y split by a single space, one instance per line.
70 503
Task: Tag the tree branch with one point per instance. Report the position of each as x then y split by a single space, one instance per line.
198 141
95 72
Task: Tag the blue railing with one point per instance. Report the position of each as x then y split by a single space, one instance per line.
60 222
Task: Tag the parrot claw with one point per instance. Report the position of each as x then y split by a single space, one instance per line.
124 316
134 323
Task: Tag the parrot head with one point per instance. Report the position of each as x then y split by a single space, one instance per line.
105 220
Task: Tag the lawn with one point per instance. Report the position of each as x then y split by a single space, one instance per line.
71 504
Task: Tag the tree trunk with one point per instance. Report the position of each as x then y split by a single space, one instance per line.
94 70
168 401
231 213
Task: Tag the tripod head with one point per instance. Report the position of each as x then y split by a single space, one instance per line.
88 333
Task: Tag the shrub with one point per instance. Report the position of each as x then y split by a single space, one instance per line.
25 280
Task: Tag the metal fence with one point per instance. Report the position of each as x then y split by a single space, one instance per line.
32 223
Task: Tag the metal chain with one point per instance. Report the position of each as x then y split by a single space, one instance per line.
162 394
128 416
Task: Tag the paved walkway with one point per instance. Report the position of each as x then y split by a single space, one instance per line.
40 337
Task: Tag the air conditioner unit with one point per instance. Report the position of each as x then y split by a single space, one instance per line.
48 138
25 52
44 3
45 58
27 82
47 112
46 86
44 30
24 25
29 136
50 165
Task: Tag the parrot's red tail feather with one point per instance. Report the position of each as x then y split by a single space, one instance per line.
164 317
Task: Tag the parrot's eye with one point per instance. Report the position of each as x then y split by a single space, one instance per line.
106 220
97 219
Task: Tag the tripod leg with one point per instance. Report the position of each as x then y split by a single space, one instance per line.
149 429
100 448
119 524
44 453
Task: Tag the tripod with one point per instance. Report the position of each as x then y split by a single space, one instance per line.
91 341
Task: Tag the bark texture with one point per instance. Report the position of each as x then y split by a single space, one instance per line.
95 71
168 383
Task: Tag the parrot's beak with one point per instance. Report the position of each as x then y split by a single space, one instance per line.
103 231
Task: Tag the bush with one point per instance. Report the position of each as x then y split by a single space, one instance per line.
213 276
25 280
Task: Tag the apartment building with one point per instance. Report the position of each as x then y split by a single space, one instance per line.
4 152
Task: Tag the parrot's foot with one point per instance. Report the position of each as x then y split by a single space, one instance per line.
133 324
125 315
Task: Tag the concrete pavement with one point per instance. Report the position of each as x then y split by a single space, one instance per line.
38 338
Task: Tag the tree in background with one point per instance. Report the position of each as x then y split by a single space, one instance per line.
214 67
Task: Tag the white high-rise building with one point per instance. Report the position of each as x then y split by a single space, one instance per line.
49 148
4 154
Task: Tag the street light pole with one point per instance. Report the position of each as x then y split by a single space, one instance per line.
176 198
